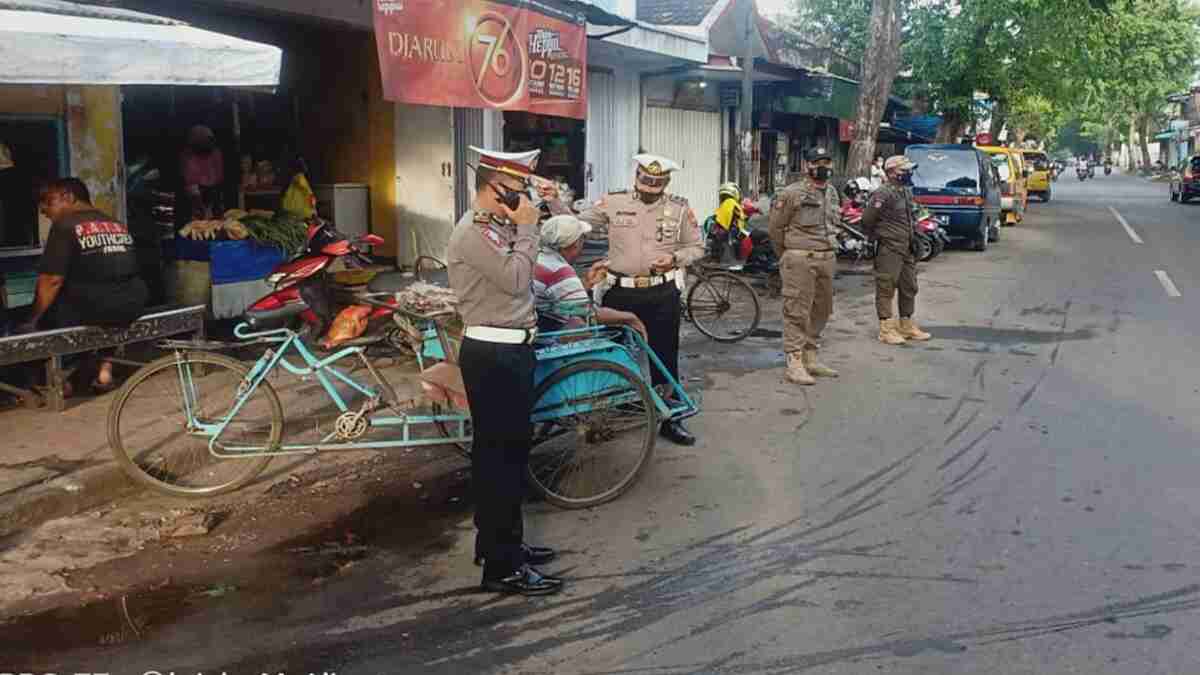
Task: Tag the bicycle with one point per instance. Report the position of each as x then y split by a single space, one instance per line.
595 416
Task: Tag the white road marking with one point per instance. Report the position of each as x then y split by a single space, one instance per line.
1167 284
1121 219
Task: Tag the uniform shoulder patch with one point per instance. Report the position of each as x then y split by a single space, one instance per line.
492 236
678 200
481 217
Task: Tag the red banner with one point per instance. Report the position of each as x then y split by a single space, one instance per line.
505 54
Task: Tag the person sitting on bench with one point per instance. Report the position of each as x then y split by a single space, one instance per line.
88 274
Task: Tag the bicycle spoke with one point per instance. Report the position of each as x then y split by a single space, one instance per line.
603 434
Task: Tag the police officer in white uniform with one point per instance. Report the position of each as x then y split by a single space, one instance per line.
491 259
652 238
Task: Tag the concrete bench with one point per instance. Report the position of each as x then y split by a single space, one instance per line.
52 345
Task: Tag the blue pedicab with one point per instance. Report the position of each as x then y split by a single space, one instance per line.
197 423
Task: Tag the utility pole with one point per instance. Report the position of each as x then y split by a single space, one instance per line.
746 113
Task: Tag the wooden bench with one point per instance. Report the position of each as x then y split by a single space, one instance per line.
52 345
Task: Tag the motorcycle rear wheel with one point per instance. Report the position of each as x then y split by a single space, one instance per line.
924 248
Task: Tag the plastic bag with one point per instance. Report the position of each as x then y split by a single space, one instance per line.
347 325
299 198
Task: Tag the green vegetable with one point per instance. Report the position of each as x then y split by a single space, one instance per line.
284 231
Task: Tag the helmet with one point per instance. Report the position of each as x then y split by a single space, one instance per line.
729 190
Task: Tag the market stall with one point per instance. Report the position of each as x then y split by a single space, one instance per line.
61 68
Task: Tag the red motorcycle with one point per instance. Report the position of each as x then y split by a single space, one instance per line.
304 291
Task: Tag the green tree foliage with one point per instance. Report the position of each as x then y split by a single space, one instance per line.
1038 62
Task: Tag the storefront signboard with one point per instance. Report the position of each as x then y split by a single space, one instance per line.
504 54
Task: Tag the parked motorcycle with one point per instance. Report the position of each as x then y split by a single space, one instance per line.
932 238
852 243
1107 169
304 295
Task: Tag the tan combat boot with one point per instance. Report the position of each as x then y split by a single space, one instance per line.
909 330
815 367
888 333
796 373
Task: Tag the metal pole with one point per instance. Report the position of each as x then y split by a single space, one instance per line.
747 103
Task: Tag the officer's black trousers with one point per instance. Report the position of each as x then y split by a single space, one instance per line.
499 384
658 307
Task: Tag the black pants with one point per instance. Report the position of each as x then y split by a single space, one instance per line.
658 307
499 383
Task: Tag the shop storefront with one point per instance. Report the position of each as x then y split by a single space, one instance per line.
61 109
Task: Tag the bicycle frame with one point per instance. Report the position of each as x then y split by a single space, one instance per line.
553 353
325 374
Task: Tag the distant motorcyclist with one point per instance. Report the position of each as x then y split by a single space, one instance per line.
728 227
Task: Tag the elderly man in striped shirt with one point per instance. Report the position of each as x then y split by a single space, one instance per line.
559 295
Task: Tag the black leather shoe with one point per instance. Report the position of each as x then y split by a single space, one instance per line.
525 581
538 555
676 433
534 555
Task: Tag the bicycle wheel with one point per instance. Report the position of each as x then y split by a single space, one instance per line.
724 307
599 435
155 440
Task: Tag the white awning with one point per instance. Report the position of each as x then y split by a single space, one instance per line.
56 42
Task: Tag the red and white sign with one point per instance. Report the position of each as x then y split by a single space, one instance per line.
983 139
846 129
483 54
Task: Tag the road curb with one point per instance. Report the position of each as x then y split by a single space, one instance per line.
63 496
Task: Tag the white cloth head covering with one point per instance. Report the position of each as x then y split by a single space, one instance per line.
560 232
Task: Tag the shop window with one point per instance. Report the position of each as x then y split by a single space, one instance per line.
37 145
561 140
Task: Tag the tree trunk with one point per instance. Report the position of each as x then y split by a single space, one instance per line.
950 129
1144 140
1132 162
999 115
880 64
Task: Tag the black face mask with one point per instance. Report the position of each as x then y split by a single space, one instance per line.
904 178
821 173
507 197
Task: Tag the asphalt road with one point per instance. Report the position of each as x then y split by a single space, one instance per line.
1016 496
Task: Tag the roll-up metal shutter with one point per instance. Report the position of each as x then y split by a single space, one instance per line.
693 139
468 130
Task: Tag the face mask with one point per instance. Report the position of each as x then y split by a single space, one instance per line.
904 178
510 198
821 173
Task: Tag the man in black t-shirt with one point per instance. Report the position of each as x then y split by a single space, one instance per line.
88 274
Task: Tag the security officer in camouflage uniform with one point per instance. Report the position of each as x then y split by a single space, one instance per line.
802 224
889 218
491 256
652 238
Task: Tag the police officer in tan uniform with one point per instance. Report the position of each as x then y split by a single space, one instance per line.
889 218
802 224
491 258
652 238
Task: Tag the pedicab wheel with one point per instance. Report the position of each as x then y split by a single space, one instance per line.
161 446
594 432
724 307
